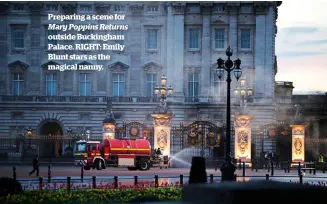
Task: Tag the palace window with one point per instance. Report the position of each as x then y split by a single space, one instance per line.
193 9
51 84
19 7
118 86
18 84
85 8
151 84
52 7
119 8
85 84
220 9
194 38
18 38
193 85
218 86
219 38
152 39
152 9
245 38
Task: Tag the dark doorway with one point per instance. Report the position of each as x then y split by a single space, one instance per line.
51 145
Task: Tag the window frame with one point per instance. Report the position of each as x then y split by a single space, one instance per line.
56 83
23 29
147 39
13 82
214 37
250 40
193 82
119 83
85 82
189 38
148 83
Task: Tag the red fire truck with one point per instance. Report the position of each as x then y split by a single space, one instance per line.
135 154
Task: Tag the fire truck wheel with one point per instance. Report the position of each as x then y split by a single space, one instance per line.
98 164
86 168
144 165
132 168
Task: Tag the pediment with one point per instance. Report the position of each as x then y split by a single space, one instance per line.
151 67
45 65
218 22
18 65
119 66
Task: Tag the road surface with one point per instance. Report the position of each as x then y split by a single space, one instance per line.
105 177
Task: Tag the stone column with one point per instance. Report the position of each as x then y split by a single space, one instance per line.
135 50
162 126
298 143
35 49
205 51
260 50
170 44
243 125
178 43
233 29
5 74
315 137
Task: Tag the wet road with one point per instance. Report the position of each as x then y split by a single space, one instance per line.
105 178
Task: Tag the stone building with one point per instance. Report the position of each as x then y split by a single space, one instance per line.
178 39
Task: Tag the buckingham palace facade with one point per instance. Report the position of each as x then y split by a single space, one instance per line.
180 40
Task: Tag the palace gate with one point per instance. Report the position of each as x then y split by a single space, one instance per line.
198 138
135 130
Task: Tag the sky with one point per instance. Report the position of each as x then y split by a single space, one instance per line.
301 44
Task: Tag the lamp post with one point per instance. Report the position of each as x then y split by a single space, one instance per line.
228 168
244 92
162 118
162 92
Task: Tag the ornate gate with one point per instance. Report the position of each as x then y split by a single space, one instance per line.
135 130
198 138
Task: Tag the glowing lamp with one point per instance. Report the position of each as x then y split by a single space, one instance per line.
163 80
163 90
236 91
243 92
29 131
156 90
170 90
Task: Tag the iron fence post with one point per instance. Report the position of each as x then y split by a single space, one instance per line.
14 173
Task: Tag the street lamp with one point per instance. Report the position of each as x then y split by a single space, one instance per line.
228 168
163 92
244 93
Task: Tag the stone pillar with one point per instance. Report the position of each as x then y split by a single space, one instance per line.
316 136
233 29
298 143
34 49
162 126
260 51
170 45
5 74
135 51
178 43
242 125
205 51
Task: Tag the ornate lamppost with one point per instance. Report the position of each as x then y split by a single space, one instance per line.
244 93
228 168
162 118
